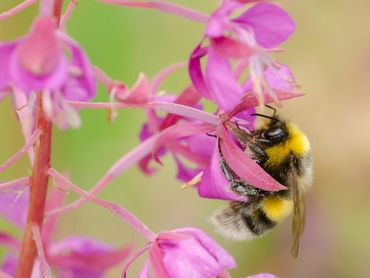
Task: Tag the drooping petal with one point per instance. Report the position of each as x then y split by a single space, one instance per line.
271 24
250 100
221 81
214 185
195 70
244 166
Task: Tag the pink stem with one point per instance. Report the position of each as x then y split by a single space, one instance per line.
34 138
162 6
18 182
122 212
102 76
38 190
121 165
132 258
20 7
172 108
71 6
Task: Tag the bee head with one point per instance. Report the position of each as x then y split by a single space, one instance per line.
274 131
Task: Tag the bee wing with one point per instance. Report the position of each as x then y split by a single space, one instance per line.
298 219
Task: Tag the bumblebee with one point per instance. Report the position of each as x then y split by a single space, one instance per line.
284 152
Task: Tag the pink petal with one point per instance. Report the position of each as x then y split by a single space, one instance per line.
195 70
6 51
218 23
187 257
278 78
10 241
271 24
183 172
244 166
28 82
223 258
221 81
40 53
250 100
9 265
86 254
201 144
156 259
14 204
80 86
189 97
230 48
214 185
181 130
144 273
139 93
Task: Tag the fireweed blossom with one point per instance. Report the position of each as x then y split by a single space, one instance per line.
185 252
38 63
245 39
74 256
48 65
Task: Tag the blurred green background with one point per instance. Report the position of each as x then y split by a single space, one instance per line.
330 56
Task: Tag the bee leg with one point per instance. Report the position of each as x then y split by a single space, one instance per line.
228 173
245 189
261 154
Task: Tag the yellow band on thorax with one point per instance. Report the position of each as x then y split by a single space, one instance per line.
297 143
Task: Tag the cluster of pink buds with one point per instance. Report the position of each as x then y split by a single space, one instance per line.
49 78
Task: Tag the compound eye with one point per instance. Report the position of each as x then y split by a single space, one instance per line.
273 133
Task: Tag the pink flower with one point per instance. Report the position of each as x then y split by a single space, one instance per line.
186 252
38 63
75 256
263 26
